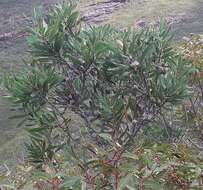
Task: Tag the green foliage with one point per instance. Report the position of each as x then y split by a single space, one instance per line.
120 83
191 112
41 149
30 88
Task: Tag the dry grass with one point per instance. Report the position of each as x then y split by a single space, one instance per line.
151 10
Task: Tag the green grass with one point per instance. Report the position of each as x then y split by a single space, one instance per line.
12 151
11 138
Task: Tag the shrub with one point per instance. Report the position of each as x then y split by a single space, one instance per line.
119 83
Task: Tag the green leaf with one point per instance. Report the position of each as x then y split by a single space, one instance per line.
77 84
106 136
73 182
128 182
153 184
39 175
130 156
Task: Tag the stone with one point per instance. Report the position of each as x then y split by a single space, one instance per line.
140 23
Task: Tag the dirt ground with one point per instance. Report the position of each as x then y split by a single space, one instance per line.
186 15
14 16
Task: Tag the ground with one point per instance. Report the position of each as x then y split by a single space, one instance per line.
185 15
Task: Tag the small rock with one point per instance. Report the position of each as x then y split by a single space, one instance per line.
141 23
186 39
